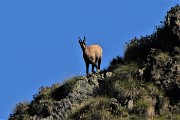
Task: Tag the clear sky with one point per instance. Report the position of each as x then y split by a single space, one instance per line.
39 39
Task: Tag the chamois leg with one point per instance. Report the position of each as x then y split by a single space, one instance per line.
98 67
87 68
92 68
99 64
94 64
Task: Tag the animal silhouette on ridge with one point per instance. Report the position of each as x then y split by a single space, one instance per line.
91 54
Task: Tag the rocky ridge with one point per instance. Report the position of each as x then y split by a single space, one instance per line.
143 85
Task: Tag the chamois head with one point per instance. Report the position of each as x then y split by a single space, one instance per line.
82 43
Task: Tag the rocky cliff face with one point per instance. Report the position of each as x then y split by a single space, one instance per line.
143 85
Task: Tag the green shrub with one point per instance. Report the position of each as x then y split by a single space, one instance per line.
129 68
45 92
43 102
141 106
67 87
21 112
115 63
123 83
138 48
128 89
41 108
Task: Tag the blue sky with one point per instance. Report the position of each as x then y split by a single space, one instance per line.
39 39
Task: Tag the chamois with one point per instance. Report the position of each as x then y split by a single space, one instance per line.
91 54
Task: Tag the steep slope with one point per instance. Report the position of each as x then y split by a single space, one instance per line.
145 84
58 101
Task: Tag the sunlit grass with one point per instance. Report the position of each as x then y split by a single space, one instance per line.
99 108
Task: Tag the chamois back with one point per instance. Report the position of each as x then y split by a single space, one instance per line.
95 52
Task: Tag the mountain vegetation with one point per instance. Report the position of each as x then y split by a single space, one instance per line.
143 85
